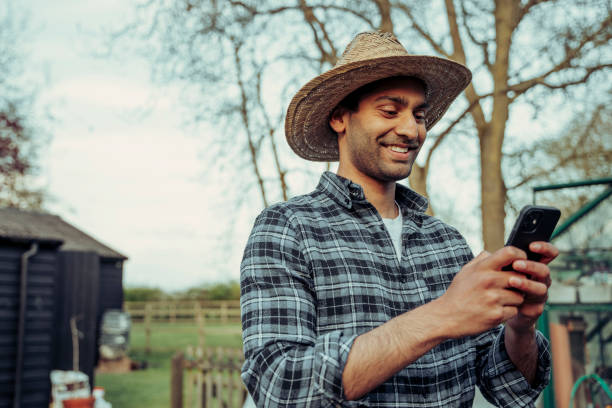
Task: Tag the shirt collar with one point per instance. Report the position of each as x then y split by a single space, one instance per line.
345 192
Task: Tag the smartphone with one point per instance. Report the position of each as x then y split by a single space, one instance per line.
534 223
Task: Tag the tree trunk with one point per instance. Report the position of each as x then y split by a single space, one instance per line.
493 196
418 182
384 8
493 192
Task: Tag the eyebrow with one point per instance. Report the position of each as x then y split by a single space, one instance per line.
401 101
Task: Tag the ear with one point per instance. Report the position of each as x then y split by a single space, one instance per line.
338 120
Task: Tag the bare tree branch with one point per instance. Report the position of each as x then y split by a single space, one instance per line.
244 114
484 45
255 12
570 55
436 46
270 132
525 9
313 22
458 53
449 128
569 154
384 9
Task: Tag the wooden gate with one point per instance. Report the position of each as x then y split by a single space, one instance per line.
212 379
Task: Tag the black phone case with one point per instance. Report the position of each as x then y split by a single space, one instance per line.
525 231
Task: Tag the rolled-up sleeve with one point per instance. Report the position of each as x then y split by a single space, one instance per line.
500 381
286 362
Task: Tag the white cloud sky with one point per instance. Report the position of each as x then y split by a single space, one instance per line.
119 165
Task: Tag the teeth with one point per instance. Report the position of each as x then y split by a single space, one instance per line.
399 149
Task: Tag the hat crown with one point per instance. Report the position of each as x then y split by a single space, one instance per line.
370 45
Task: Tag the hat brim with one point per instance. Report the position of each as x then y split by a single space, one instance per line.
307 121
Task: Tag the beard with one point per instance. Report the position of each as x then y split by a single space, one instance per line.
373 163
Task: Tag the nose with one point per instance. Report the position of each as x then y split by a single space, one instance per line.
407 126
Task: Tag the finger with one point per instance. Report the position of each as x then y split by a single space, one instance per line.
532 310
502 257
535 270
509 297
547 250
481 256
509 312
528 287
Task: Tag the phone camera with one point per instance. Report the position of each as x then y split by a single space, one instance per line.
531 221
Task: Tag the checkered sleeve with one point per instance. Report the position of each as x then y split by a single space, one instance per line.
286 363
500 381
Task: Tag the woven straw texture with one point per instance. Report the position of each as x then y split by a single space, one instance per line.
369 57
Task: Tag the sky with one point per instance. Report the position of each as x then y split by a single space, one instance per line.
121 165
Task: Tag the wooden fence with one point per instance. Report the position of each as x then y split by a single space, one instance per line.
227 311
212 379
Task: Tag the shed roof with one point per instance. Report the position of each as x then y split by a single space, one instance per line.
32 225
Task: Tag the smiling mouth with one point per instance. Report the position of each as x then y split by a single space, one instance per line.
401 148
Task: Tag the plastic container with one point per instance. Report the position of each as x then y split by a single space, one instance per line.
79 402
68 385
100 402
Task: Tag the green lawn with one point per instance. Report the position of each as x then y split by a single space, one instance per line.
150 388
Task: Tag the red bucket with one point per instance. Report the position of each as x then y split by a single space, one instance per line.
79 402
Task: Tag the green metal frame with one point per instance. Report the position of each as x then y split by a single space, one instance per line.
585 209
579 183
548 394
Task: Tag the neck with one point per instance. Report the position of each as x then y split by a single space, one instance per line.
381 194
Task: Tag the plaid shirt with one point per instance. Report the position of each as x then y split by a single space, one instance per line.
320 269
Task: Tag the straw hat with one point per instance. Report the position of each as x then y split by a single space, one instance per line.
369 57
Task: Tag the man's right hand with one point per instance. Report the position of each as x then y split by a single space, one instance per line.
480 296
478 299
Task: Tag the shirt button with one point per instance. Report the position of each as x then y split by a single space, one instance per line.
354 193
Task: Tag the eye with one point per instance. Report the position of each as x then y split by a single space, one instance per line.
420 116
389 111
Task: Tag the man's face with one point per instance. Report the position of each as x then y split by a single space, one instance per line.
382 138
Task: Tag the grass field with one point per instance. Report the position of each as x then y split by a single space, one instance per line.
150 388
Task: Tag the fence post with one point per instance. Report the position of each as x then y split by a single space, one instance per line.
172 312
176 381
224 312
148 313
200 321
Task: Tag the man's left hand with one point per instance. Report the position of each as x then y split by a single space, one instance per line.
534 286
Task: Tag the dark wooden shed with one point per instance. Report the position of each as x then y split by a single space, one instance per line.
84 279
28 282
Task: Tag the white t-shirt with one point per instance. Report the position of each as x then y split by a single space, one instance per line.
394 227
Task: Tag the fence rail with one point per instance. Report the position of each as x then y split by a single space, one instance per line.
213 379
184 311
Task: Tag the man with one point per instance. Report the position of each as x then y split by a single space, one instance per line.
351 295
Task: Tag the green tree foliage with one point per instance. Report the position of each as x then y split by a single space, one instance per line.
212 291
143 294
224 291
